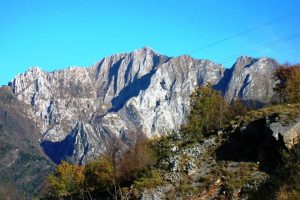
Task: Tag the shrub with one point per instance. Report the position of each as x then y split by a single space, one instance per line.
149 179
209 111
66 180
139 157
100 174
107 173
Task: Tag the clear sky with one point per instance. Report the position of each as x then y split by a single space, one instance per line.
55 34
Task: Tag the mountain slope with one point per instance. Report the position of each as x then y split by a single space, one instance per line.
79 110
23 164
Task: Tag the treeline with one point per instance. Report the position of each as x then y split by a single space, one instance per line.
104 176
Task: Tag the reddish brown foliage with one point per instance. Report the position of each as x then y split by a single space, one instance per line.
288 85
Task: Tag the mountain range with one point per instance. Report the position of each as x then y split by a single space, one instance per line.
78 111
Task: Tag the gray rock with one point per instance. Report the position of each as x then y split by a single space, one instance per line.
157 193
191 167
290 133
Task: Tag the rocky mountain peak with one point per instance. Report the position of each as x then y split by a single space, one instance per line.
244 62
33 72
251 80
145 50
34 69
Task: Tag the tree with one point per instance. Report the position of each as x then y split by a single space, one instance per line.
238 108
140 157
100 174
104 175
208 111
281 75
293 86
288 83
68 179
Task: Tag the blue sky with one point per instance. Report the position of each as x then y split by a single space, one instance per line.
55 34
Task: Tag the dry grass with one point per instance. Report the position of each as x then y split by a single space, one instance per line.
291 111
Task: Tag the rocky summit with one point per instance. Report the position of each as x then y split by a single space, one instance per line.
78 111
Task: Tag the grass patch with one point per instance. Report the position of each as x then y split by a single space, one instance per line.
149 179
236 177
291 111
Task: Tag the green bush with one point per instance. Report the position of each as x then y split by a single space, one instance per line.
162 147
149 179
209 111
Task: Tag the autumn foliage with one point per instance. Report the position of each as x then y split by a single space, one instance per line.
104 175
288 83
137 159
67 179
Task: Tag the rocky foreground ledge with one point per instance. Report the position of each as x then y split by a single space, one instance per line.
234 164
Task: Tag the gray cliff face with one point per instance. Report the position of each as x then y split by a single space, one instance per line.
165 103
251 80
78 110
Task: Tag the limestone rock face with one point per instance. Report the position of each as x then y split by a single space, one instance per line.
251 80
77 110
